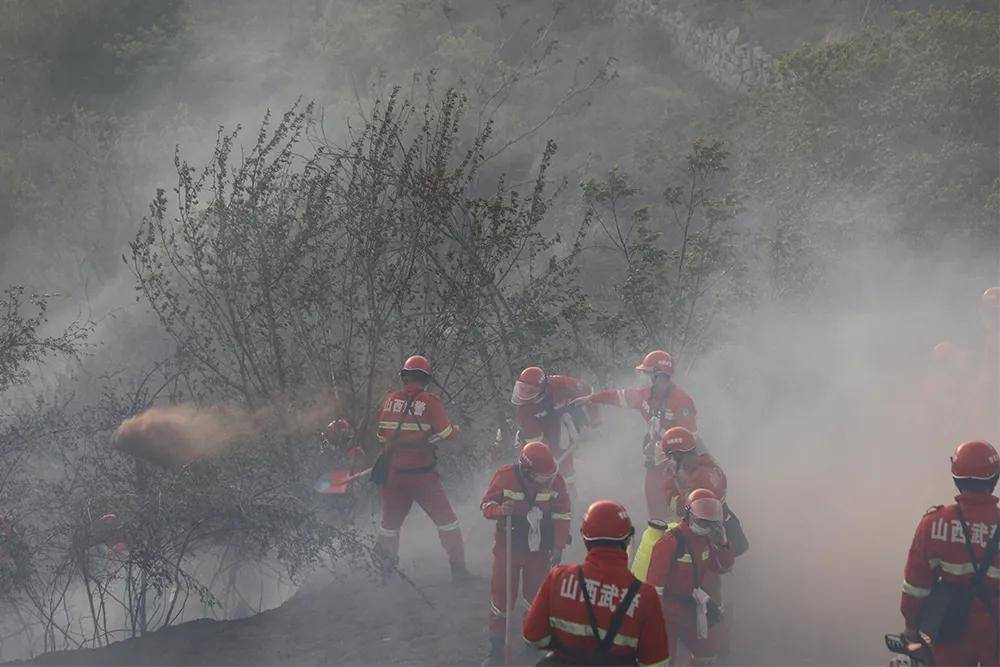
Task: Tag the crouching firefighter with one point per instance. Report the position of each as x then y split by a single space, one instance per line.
677 569
545 410
531 495
597 613
411 422
952 573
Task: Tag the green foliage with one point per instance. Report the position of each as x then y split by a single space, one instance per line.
904 117
21 341
680 262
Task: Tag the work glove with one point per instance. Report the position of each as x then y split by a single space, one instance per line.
514 508
717 535
555 557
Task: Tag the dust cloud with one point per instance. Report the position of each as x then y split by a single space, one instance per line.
174 436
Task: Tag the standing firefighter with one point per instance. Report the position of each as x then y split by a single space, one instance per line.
411 422
677 568
690 468
952 573
662 404
597 613
532 495
546 411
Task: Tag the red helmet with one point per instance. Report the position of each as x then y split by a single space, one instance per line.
529 386
975 460
657 361
677 439
705 505
537 463
990 299
417 363
607 520
338 426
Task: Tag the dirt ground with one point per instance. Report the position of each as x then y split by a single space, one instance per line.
794 600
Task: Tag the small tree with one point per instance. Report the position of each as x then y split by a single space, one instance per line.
679 261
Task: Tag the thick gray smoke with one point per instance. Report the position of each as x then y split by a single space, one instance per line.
825 413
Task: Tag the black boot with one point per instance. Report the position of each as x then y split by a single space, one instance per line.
459 573
496 654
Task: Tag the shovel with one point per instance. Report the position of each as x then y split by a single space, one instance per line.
509 575
335 482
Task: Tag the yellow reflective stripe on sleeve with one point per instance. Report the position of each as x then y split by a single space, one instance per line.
562 517
621 397
513 495
538 643
915 591
545 495
439 436
661 663
686 558
581 630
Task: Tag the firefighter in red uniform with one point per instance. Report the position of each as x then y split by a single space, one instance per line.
546 411
411 422
954 555
533 495
677 569
662 404
694 468
577 604
340 437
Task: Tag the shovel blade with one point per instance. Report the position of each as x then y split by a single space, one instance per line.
333 483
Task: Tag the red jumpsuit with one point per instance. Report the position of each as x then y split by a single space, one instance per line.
661 410
412 420
700 471
939 552
547 419
528 566
696 471
558 615
672 574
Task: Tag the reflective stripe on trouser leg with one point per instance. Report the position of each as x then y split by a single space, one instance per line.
498 601
396 504
429 493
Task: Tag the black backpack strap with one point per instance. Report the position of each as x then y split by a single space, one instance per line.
678 552
695 579
524 487
617 618
979 569
586 600
657 405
